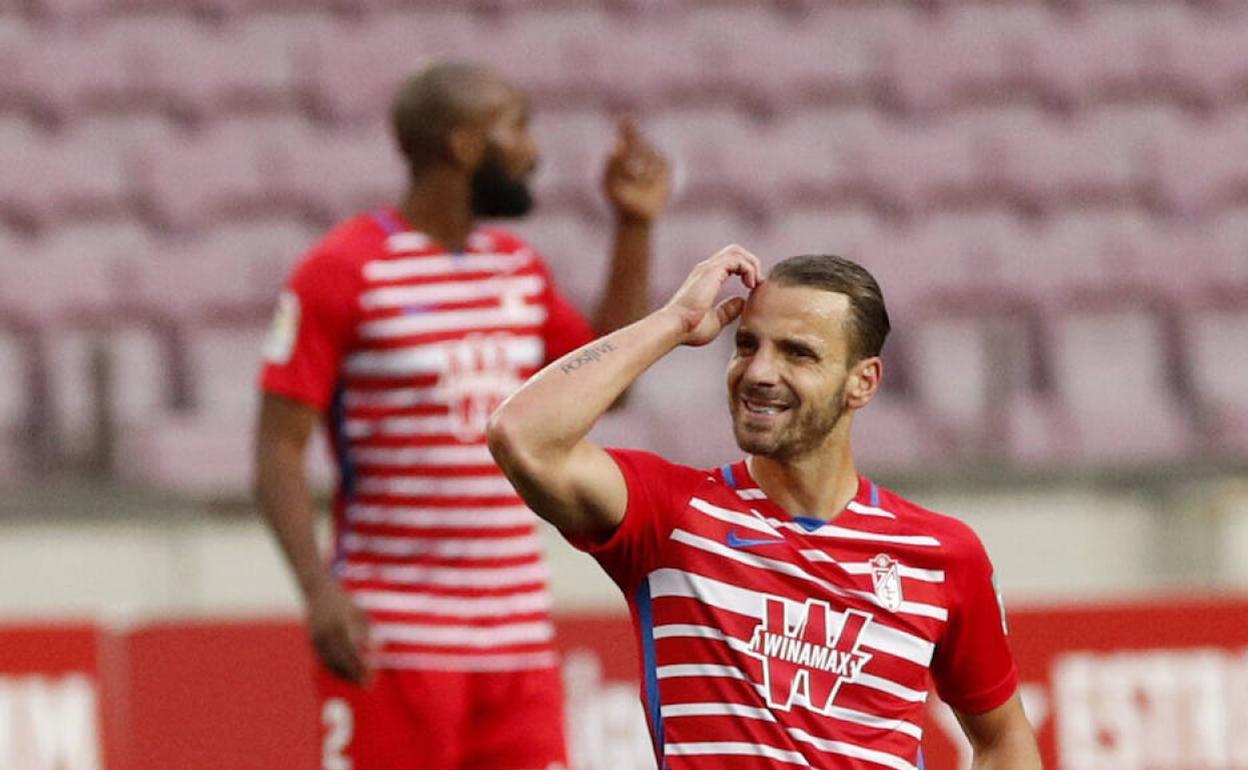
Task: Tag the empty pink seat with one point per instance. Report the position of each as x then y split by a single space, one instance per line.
90 65
1217 335
193 69
354 68
232 169
337 172
1204 166
67 174
574 145
890 436
717 153
1111 370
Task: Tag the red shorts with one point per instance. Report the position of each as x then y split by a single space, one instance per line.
443 720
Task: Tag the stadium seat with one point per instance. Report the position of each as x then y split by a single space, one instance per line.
574 145
195 70
356 67
1218 339
72 173
1114 370
238 167
686 237
337 172
90 66
890 437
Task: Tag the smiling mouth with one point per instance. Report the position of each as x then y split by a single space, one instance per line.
763 407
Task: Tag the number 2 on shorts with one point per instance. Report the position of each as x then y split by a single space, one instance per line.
339 724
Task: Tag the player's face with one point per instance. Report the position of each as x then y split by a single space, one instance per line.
500 183
788 373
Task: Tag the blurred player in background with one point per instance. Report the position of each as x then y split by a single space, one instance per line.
788 609
402 330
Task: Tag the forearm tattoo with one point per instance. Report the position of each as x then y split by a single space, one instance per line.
587 356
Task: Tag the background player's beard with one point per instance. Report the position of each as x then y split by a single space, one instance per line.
495 193
806 432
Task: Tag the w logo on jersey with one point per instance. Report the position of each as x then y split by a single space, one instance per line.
478 376
803 659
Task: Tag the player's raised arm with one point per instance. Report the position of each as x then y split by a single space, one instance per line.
538 434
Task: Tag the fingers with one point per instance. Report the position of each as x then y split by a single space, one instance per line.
736 260
343 647
729 310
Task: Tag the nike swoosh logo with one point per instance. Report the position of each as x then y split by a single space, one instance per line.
736 541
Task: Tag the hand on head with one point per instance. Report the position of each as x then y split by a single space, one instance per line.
637 178
694 301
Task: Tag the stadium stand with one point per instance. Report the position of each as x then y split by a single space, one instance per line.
1054 194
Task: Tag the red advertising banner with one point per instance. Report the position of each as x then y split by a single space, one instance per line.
1141 686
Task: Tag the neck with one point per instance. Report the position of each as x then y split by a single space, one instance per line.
438 204
818 484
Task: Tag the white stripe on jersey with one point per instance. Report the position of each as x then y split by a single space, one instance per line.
453 606
864 568
446 577
451 291
432 661
743 601
487 662
716 709
869 510
441 456
734 748
464 636
393 398
677 670
408 240
449 518
891 687
733 517
437 486
833 531
793 570
443 548
851 750
438 424
523 351
751 494
444 264
671 630
445 320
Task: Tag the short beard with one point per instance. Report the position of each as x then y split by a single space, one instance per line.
497 194
795 440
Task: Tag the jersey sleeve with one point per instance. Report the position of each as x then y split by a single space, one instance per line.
565 328
973 667
657 492
311 330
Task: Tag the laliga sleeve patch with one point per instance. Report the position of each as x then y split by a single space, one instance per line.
280 342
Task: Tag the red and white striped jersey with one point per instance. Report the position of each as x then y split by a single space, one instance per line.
768 639
407 349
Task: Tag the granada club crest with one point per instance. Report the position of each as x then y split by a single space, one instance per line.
477 377
886 577
806 663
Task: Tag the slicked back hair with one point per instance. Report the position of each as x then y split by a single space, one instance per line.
432 102
868 317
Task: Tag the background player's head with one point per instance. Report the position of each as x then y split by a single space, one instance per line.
466 119
807 355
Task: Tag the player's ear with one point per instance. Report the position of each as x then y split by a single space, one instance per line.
466 145
863 382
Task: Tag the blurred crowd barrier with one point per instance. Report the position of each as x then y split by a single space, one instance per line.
1155 685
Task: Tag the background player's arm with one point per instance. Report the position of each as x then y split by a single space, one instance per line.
637 183
1001 739
338 628
538 434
